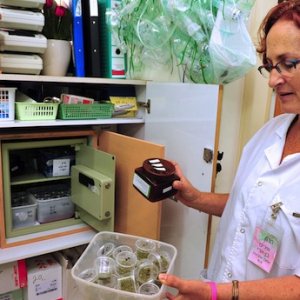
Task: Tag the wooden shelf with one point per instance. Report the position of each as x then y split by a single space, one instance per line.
69 79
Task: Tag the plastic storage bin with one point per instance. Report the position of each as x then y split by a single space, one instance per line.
53 203
36 111
47 158
23 210
94 291
7 103
85 111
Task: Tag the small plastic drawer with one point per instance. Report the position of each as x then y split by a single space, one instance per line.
23 210
53 203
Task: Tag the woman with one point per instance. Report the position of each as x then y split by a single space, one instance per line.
257 248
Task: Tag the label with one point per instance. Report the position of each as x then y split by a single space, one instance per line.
93 8
264 249
141 185
167 189
61 167
46 287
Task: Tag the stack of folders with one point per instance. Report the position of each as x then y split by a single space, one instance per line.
96 54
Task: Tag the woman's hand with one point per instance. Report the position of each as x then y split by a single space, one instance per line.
210 203
186 194
187 289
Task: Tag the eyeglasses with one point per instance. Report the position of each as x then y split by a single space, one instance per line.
285 67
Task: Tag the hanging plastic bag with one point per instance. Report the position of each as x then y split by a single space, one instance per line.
230 47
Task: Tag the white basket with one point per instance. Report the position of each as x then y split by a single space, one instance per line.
7 103
93 291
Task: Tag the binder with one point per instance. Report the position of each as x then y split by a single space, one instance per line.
78 42
91 30
113 63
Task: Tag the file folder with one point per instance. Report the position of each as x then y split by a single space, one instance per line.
91 33
78 42
113 63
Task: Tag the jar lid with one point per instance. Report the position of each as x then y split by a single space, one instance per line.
158 167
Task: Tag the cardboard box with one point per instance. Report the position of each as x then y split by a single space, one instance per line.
67 259
14 295
124 107
13 276
44 276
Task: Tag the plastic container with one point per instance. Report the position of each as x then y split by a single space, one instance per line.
93 291
36 111
53 203
21 19
37 4
23 210
21 63
85 111
7 103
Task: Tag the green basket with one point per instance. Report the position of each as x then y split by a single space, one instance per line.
85 111
35 111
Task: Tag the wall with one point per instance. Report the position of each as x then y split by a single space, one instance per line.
246 107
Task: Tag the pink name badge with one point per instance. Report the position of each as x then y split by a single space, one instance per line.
264 249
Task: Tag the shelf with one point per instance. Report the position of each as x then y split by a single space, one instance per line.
34 177
47 246
111 121
69 79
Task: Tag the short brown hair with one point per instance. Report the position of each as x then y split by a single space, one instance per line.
286 10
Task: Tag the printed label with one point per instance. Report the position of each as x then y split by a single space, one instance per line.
61 167
264 249
141 185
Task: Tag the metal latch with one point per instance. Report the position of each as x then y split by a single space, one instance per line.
207 155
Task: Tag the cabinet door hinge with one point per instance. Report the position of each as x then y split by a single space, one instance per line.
146 105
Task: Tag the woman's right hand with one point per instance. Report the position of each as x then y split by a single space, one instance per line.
187 194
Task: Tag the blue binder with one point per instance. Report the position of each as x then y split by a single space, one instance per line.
78 41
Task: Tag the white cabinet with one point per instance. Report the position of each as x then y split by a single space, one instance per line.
182 119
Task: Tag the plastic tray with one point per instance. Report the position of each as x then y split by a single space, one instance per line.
23 210
36 111
53 203
93 291
85 111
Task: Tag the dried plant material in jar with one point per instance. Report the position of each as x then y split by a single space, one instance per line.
108 282
105 267
125 263
121 248
144 247
106 249
88 274
146 271
127 284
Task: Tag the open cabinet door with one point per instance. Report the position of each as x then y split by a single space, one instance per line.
184 118
133 213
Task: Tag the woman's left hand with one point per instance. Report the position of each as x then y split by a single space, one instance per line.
187 289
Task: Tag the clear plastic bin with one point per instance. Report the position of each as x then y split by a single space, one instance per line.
53 203
94 291
23 210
